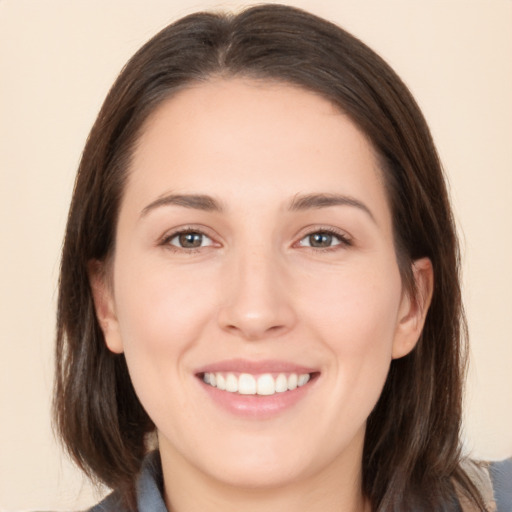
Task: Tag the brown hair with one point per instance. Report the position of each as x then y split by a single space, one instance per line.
411 454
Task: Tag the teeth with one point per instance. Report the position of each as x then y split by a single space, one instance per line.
247 384
266 385
292 381
282 383
303 379
221 381
231 383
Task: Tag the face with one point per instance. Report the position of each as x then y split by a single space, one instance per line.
256 293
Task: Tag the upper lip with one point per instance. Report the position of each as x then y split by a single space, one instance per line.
255 367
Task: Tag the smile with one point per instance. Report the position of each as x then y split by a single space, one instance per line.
257 390
248 384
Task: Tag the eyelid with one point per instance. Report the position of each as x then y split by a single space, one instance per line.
203 236
173 233
345 240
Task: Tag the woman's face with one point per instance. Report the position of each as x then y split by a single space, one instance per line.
254 250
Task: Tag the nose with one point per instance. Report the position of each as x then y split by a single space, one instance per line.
257 297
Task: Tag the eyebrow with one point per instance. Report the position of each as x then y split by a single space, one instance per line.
193 201
299 202
316 201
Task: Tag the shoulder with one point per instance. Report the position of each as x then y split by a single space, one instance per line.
501 476
112 503
149 490
492 480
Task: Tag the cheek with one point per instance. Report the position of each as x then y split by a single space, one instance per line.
161 315
160 308
356 315
357 309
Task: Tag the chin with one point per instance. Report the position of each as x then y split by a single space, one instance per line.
257 474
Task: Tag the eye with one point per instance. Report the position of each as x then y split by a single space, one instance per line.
189 240
323 239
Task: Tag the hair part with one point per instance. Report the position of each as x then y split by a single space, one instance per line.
412 452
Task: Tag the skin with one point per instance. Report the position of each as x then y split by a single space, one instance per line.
257 289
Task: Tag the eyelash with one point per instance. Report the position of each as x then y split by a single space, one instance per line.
344 240
166 241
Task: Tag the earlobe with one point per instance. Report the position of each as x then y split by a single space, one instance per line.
104 305
414 308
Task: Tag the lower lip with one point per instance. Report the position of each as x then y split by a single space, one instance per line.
257 406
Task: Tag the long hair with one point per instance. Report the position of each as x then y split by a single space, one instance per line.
412 452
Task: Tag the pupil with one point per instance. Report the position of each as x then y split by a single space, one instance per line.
191 239
320 240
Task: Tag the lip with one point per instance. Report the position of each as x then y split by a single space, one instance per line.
256 407
255 367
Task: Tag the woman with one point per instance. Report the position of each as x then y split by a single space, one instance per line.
261 272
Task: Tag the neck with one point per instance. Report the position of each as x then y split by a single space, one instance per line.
188 489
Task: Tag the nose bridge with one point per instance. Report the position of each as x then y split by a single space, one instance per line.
257 303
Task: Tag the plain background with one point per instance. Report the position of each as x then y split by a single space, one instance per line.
57 61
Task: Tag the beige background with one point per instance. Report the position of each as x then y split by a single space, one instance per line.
57 61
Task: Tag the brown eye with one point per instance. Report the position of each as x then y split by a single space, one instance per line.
190 240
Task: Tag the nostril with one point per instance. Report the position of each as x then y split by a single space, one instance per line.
255 332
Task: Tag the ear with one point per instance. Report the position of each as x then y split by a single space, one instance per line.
414 308
104 305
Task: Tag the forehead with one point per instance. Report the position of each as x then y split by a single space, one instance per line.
239 136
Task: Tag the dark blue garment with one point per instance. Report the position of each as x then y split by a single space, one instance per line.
150 488
501 476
